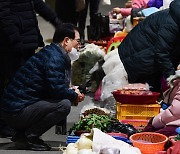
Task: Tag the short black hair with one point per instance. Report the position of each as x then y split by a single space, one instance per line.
64 30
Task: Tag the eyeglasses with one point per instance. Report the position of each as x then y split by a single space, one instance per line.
77 40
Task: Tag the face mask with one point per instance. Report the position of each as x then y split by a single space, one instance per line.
74 54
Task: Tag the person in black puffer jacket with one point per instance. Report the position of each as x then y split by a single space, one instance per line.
152 49
19 37
39 95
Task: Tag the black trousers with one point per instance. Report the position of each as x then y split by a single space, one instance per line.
36 119
93 10
66 11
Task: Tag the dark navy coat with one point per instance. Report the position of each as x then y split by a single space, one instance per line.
46 75
19 32
152 48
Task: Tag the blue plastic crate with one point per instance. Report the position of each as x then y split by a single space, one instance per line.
73 139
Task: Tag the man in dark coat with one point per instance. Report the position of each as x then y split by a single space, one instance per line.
152 49
19 36
39 95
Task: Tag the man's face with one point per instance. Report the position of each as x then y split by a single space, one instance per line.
74 43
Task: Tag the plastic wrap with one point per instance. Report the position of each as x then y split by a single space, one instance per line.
113 81
111 61
87 59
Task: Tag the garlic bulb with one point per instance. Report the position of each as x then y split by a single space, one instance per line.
84 143
71 148
85 151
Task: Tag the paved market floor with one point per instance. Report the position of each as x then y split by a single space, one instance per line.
6 146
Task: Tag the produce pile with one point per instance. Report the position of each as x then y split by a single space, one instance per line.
135 89
105 123
96 110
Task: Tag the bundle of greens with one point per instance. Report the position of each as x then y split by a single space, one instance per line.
91 121
105 123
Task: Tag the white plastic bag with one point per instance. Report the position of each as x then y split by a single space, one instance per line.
116 79
166 4
111 61
106 2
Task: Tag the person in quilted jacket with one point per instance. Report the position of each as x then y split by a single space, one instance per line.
168 120
19 38
151 49
39 95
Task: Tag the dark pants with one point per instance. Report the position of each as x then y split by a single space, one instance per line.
167 130
36 119
93 10
66 11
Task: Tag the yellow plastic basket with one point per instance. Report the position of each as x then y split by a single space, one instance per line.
131 111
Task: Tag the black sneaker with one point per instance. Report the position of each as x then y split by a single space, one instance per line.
33 143
19 136
37 144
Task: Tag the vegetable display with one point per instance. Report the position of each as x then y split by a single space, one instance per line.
105 123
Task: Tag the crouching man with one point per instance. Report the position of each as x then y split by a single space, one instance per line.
39 95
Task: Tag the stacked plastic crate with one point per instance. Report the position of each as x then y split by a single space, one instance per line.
136 109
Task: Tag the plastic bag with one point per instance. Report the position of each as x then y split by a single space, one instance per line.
116 79
111 61
166 4
87 59
97 95
106 2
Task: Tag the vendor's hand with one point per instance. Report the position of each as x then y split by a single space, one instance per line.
116 10
178 67
80 98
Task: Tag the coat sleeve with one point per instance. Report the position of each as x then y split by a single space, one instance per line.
9 28
46 12
126 11
165 42
55 74
170 114
135 4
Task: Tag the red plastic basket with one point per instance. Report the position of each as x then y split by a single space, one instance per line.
138 124
116 41
136 99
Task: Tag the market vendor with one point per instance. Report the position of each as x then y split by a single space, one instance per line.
151 49
168 119
39 95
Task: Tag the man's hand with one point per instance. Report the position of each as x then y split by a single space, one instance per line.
116 10
80 97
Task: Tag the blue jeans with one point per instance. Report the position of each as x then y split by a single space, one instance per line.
36 119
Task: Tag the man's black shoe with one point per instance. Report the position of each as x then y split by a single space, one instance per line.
19 136
33 143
